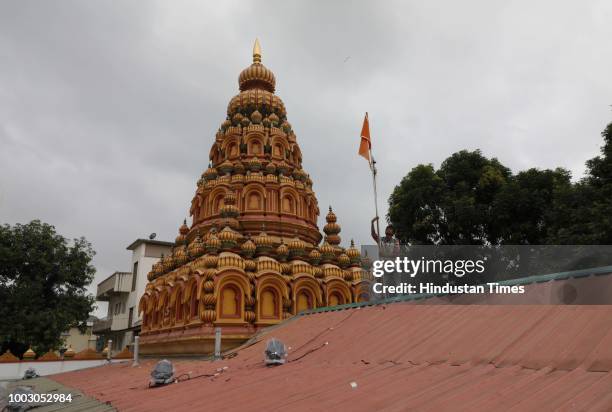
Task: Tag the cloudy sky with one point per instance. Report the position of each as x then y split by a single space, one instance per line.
108 108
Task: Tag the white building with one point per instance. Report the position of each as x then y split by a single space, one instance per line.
122 291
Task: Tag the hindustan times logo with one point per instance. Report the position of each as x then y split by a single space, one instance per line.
413 267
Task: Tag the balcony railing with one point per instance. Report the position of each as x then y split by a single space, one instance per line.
118 282
116 322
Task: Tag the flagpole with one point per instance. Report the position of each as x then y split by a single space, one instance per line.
374 171
365 150
375 198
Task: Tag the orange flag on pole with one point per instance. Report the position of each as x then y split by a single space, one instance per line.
366 144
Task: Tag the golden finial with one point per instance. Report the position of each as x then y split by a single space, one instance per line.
256 52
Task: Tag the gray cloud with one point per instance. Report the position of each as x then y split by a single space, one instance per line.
108 109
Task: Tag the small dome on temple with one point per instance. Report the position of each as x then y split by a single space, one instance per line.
286 126
170 262
353 253
228 237
327 250
344 260
254 164
239 167
296 244
213 243
69 353
184 229
182 236
257 76
29 354
210 173
157 268
256 117
331 216
263 240
283 167
282 251
270 168
249 247
274 119
315 256
332 228
196 248
181 256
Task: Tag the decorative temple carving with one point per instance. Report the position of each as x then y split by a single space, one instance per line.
251 256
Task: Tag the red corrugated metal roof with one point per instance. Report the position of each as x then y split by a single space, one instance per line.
402 356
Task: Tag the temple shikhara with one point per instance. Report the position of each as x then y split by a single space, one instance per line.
253 254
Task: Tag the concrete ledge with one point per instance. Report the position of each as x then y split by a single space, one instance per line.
15 370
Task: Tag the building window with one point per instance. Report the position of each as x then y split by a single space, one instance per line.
134 276
130 317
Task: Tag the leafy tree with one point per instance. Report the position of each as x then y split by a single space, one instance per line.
43 280
451 205
583 212
523 209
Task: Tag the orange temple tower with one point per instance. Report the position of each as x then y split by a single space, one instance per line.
251 257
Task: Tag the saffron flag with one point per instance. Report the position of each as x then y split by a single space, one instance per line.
366 144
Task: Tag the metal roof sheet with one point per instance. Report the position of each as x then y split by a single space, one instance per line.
401 356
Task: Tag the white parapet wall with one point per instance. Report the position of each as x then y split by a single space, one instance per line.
15 370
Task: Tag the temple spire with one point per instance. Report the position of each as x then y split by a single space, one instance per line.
256 51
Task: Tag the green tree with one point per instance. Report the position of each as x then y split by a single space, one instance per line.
583 212
43 280
452 205
523 209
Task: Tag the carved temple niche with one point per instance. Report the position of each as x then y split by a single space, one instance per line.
289 204
335 298
269 304
296 156
304 300
193 302
179 306
230 302
254 200
306 294
214 155
232 150
255 147
271 290
277 150
217 203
